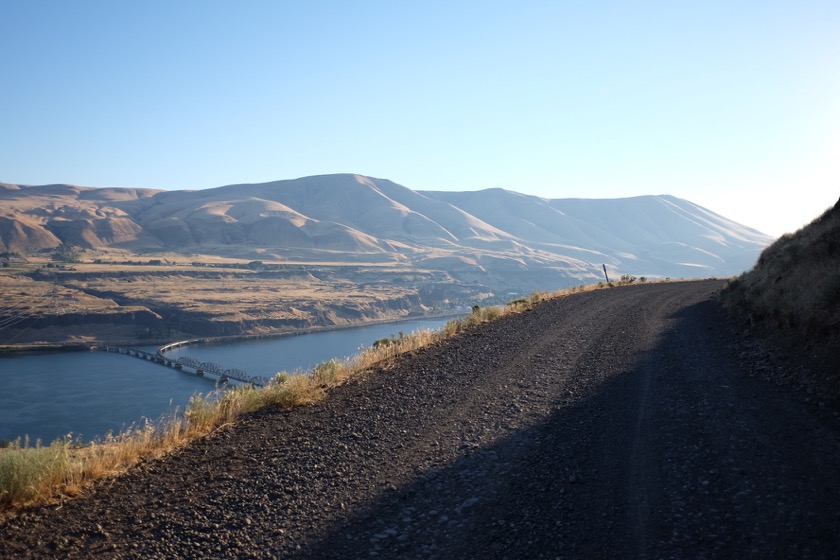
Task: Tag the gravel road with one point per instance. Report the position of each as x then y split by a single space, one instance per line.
618 423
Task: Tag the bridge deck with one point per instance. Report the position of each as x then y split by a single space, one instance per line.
198 367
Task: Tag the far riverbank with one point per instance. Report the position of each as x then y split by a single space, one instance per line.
31 348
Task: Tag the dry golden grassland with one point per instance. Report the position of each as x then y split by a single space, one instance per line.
24 295
233 299
237 297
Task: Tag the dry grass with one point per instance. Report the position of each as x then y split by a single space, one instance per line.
231 296
793 294
795 285
22 295
218 301
31 474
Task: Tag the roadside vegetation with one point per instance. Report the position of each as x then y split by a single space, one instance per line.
794 292
34 473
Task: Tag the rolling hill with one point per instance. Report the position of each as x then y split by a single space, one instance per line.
494 237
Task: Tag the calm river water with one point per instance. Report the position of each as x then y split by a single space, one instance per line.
89 394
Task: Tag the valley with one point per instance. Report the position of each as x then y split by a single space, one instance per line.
85 264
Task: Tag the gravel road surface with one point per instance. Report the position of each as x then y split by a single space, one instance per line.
619 423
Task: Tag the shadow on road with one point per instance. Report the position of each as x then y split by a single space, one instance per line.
680 455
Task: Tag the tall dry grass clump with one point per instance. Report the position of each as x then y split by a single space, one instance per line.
38 473
29 472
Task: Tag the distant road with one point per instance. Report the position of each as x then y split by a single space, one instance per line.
611 424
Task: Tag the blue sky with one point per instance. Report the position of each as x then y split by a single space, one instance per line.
732 105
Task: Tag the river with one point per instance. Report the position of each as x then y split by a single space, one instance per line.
88 394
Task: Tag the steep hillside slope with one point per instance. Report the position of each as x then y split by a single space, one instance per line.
794 293
660 235
796 283
43 217
493 237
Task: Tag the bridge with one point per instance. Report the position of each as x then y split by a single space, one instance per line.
188 363
224 375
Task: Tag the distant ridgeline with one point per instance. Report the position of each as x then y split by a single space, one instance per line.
493 237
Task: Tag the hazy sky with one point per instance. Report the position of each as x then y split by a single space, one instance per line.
734 105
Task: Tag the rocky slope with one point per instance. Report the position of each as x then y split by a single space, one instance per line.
610 424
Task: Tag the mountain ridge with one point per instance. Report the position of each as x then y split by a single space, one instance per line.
490 234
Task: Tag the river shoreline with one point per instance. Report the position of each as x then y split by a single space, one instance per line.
58 347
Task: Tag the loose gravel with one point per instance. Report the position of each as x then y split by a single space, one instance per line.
618 423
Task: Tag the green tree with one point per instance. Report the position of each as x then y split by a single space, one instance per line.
67 253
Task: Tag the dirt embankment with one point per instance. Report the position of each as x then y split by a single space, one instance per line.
610 424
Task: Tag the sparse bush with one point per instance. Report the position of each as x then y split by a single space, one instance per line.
329 372
382 342
451 328
296 390
31 472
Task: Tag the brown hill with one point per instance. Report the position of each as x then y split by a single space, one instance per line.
794 292
796 283
497 234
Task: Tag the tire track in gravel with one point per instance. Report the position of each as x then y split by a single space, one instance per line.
602 425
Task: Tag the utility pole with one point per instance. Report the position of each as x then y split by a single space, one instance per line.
605 273
56 306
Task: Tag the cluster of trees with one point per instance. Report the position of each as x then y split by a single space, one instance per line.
8 256
67 253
